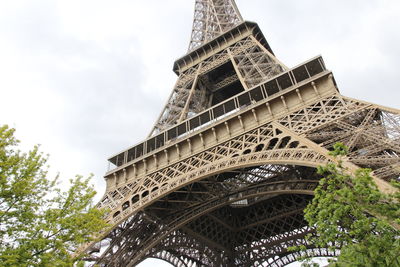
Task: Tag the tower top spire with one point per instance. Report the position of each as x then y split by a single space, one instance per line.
212 18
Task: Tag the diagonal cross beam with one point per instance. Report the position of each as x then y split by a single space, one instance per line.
212 18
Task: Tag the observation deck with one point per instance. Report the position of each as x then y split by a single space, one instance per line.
276 87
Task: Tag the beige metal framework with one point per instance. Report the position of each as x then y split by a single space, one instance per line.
231 163
211 19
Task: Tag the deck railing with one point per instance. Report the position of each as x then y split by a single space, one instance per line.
258 93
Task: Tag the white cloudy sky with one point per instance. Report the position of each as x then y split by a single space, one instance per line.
88 78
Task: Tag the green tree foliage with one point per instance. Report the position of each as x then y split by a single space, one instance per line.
350 212
41 225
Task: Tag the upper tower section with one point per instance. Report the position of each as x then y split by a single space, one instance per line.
226 57
211 19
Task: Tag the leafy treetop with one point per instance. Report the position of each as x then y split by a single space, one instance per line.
40 224
350 213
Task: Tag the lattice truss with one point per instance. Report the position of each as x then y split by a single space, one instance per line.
246 62
372 135
254 63
212 18
194 226
240 203
256 227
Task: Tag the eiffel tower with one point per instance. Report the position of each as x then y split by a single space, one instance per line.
230 164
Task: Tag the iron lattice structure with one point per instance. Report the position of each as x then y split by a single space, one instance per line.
225 174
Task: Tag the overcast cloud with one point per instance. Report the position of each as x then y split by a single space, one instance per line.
88 78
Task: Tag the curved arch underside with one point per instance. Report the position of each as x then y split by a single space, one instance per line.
211 214
244 217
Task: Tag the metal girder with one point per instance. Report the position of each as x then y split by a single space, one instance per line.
284 140
251 64
231 162
212 18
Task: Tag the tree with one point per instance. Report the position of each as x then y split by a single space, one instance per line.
350 213
40 224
